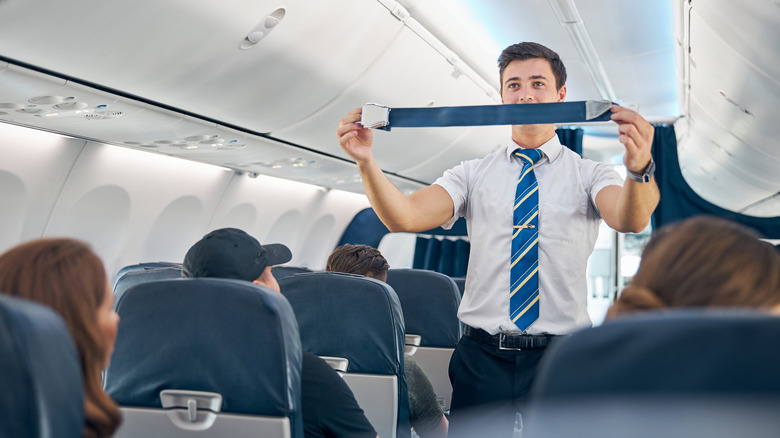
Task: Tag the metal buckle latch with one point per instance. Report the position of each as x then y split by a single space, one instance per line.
375 115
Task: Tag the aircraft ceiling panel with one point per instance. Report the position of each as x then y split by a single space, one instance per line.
703 170
410 73
146 47
730 157
748 27
735 91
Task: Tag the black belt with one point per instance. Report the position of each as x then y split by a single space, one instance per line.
509 340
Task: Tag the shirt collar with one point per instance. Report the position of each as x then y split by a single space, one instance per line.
552 148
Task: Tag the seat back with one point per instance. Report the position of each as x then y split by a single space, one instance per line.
286 271
41 386
461 282
690 366
359 319
143 267
430 303
206 357
132 278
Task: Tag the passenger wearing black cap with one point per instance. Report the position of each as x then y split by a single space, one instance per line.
232 253
329 406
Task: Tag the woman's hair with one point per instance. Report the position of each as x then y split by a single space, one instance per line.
703 262
68 277
357 259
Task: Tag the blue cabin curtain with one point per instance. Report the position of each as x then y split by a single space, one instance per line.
571 138
679 201
450 257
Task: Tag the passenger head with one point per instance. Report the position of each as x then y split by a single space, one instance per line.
232 253
531 50
358 259
703 262
68 277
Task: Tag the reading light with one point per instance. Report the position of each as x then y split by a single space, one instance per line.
262 29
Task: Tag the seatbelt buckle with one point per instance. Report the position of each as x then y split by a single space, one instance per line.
375 116
595 108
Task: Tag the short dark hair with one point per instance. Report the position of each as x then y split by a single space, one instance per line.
357 259
531 50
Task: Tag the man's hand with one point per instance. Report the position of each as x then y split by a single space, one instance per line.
636 134
354 138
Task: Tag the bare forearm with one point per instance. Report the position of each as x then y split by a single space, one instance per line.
427 208
388 202
635 205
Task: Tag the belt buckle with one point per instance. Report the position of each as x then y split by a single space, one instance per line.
501 339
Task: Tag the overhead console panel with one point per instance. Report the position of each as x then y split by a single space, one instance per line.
267 67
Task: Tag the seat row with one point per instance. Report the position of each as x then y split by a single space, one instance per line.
355 322
707 373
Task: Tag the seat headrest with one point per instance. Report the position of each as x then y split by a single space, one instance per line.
132 278
43 391
231 337
348 316
142 267
430 303
286 271
673 352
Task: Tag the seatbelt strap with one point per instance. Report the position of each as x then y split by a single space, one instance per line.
382 117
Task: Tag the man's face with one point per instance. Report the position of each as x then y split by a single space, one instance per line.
530 81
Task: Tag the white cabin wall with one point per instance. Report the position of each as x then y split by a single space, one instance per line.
135 206
308 219
33 168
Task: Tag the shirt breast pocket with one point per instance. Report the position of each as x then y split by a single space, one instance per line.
562 215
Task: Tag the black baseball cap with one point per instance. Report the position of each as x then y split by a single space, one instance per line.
232 253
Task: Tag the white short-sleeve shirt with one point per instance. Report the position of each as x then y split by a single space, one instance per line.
483 192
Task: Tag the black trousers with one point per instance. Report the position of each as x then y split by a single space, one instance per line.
489 387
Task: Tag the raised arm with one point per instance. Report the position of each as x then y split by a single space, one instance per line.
628 209
427 208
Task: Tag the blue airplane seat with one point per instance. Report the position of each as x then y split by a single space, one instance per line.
358 319
142 267
677 373
670 352
430 303
206 356
461 282
40 373
286 271
132 278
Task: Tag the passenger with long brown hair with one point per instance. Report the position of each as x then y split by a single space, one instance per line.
703 262
69 277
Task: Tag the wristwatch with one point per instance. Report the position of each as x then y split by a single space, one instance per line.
643 177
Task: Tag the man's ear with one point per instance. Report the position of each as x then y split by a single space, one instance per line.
562 94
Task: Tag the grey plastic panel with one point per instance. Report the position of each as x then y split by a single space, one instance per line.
436 362
378 396
141 422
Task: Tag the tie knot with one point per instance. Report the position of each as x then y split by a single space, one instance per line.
529 155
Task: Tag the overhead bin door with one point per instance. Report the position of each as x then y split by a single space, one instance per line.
409 73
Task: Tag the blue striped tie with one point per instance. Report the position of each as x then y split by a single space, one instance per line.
524 267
